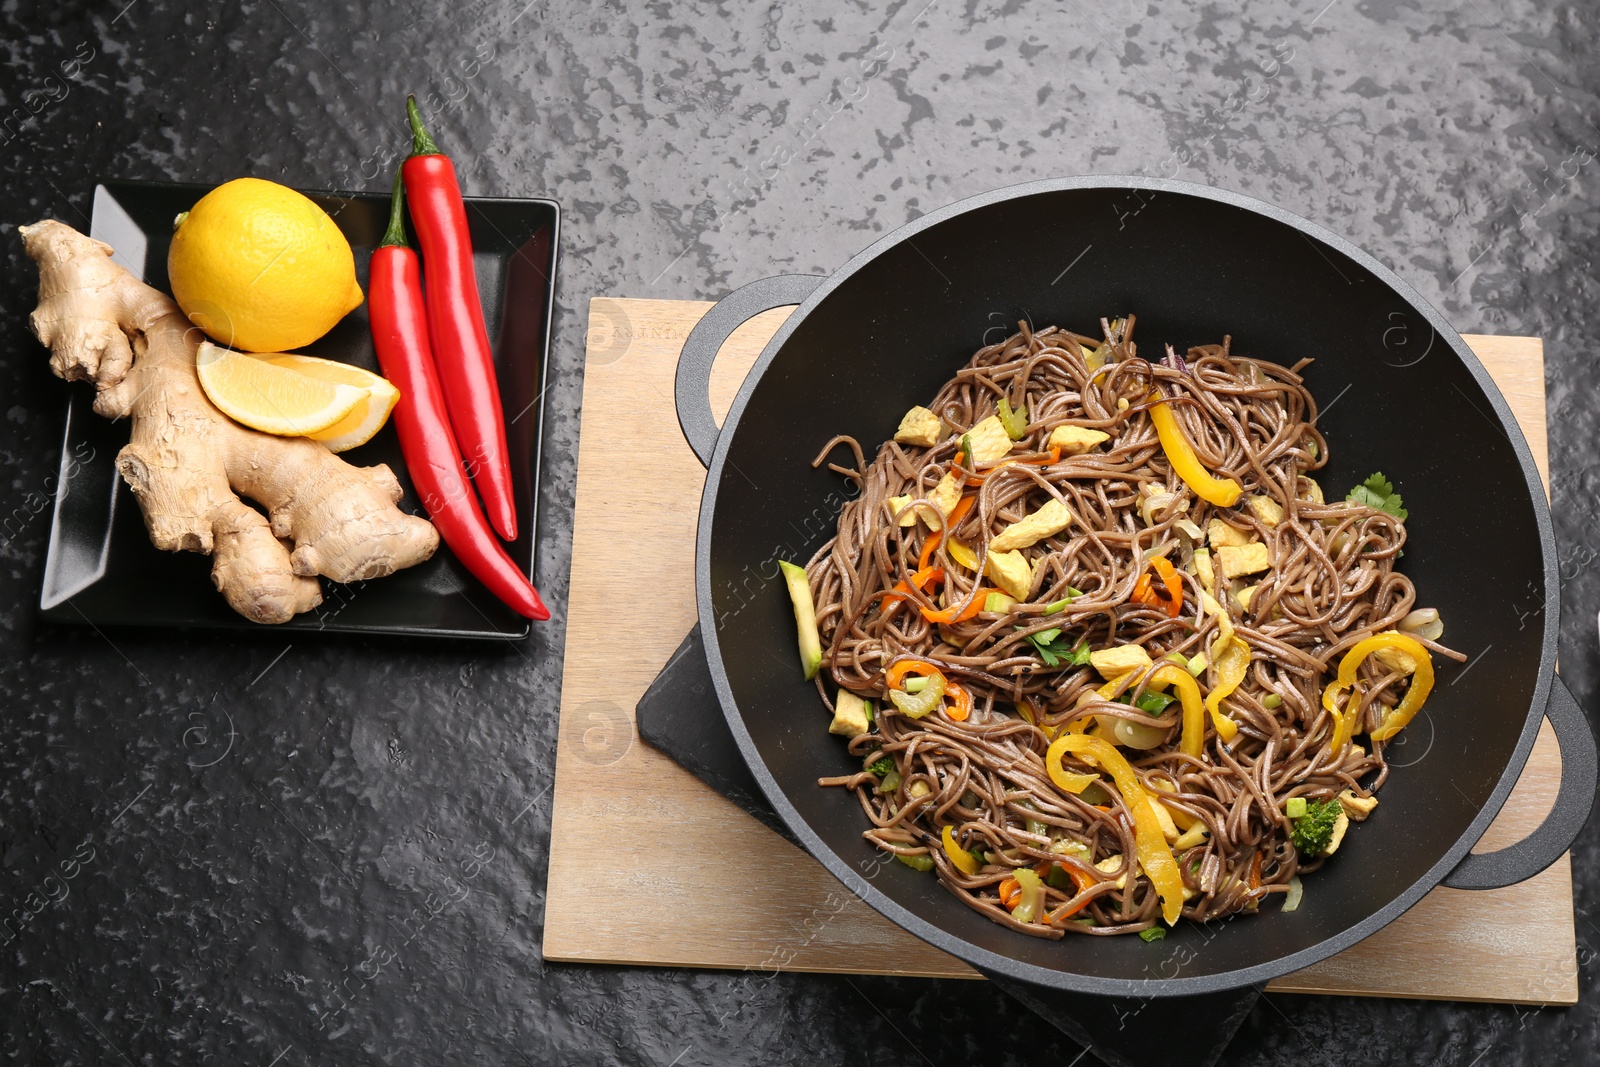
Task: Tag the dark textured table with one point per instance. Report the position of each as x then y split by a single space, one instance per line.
333 851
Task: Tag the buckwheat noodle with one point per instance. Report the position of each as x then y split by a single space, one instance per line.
1331 583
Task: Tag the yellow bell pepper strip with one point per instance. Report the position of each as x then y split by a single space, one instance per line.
951 521
965 861
1223 492
1410 704
1192 740
1044 460
1144 591
962 554
1155 856
1231 657
1070 781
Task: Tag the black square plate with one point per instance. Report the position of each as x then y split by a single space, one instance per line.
101 568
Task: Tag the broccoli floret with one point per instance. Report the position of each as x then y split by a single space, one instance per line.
1312 831
881 766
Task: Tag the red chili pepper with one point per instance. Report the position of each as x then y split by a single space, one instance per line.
400 335
455 322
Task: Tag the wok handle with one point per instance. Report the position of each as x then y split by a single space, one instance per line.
1521 861
693 386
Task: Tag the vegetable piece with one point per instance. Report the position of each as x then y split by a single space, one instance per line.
1152 703
1295 807
965 861
920 862
895 676
455 323
805 616
1136 735
1377 492
1068 781
1052 456
1223 492
1030 898
1170 597
1009 891
962 706
915 707
1410 704
881 766
1155 856
1000 603
1297 890
188 464
919 427
1229 656
1054 651
1424 623
953 516
400 336
957 612
921 579
963 555
891 781
1015 423
1312 832
1056 607
852 716
1192 740
1155 933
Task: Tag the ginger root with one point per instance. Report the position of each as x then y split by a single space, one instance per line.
188 463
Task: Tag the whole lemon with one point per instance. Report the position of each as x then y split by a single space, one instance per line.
261 268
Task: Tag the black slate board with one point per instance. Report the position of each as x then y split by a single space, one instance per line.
679 715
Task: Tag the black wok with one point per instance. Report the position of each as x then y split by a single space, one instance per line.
1400 393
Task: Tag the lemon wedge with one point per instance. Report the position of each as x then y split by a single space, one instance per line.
366 418
270 398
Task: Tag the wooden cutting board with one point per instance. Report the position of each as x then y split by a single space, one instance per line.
629 882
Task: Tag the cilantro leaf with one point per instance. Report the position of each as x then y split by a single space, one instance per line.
1377 492
1153 703
1054 651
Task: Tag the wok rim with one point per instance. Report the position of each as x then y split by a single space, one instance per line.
982 958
